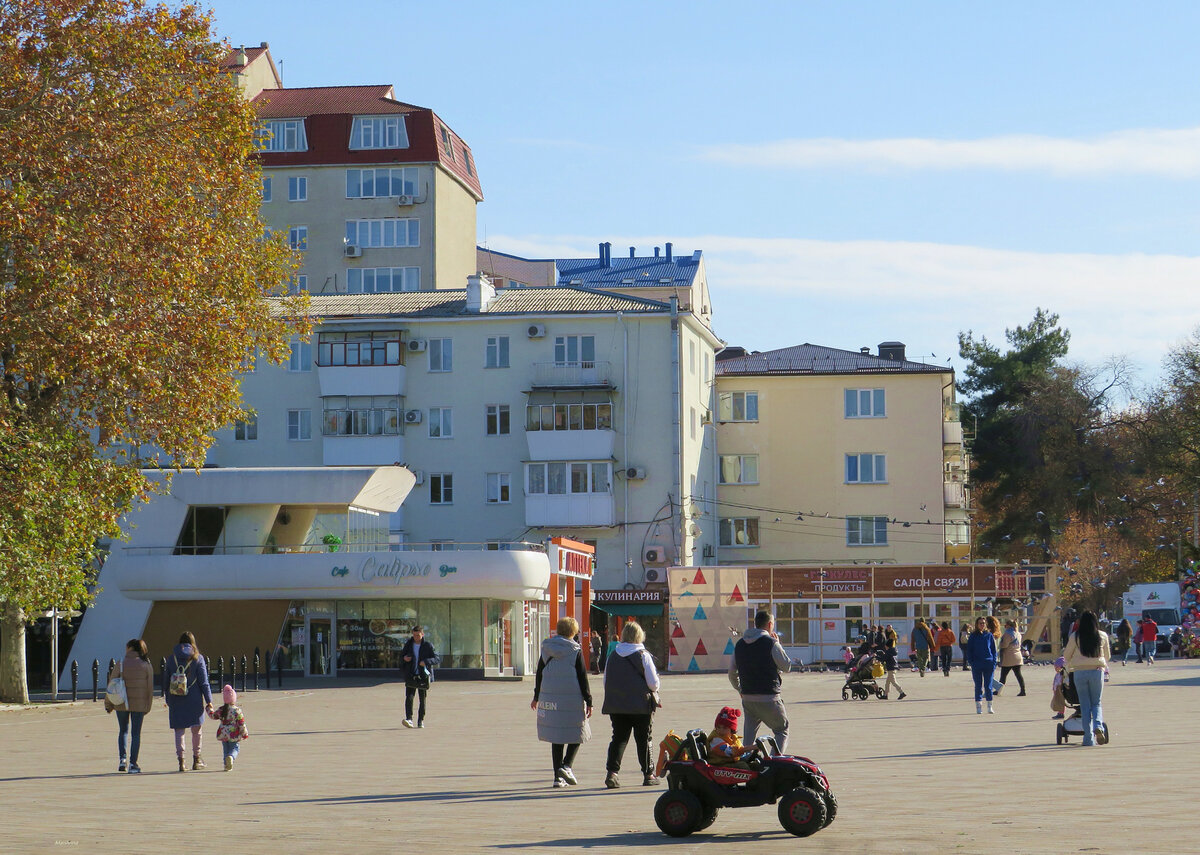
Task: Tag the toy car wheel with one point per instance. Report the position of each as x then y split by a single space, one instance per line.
802 812
709 817
845 694
678 813
830 808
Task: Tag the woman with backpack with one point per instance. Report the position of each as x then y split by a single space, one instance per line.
630 698
137 674
188 696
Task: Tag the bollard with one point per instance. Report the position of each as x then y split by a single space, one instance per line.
163 671
278 670
95 679
243 673
221 671
267 672
74 680
257 662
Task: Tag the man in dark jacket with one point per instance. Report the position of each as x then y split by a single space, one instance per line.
417 659
755 671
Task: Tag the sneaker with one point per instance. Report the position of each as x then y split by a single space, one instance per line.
228 763
135 769
902 696
568 775
650 781
559 783
611 781
979 708
990 710
420 724
121 766
1058 716
408 722
1021 693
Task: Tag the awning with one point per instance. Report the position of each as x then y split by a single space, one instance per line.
626 609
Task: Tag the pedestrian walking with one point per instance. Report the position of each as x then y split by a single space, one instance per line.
890 664
981 653
1124 640
232 731
563 700
1010 655
188 697
756 670
1149 639
417 661
1087 656
630 698
922 643
138 674
890 638
964 632
945 645
1137 640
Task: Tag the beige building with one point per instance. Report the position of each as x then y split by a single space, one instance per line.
830 456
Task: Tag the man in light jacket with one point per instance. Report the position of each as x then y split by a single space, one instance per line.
755 671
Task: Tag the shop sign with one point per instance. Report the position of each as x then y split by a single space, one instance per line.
627 596
372 570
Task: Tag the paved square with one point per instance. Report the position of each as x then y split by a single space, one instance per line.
329 768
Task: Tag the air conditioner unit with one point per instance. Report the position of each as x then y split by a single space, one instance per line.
405 201
417 345
412 417
654 555
653 574
352 251
536 331
635 473
420 476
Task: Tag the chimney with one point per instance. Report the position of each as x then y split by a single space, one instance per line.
633 252
864 350
668 250
241 58
602 253
479 292
656 252
893 350
608 254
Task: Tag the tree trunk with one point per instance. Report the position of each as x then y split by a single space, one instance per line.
14 685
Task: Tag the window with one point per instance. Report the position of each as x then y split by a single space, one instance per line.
441 423
360 348
575 350
497 420
361 416
739 531
559 478
865 404
568 416
385 232
441 354
448 144
266 188
498 488
297 188
300 358
739 469
246 431
495 355
376 280
299 424
737 407
441 489
866 531
298 284
381 183
888 609
791 623
283 135
378 132
691 357
298 238
692 422
866 469
467 161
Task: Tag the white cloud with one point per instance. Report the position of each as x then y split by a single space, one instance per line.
770 293
1140 151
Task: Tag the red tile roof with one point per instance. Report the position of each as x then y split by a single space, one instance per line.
327 101
230 63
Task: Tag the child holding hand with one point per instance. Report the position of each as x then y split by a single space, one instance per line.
232 729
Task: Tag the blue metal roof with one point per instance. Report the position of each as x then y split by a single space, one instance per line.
627 272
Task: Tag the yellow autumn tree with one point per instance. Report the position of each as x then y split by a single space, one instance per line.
135 277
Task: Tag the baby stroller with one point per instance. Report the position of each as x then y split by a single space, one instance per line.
860 682
1073 724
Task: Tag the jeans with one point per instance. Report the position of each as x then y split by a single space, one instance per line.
409 691
230 749
622 726
1016 669
982 675
1090 684
963 648
772 714
947 653
1148 649
124 719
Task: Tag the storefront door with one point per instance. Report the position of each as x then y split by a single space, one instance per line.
319 632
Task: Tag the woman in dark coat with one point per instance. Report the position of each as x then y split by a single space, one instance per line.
417 659
562 699
187 710
630 678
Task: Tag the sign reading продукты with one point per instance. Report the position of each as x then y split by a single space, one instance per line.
374 571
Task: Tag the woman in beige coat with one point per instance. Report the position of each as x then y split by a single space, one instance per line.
138 674
1010 654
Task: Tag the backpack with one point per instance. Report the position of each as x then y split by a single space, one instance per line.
179 683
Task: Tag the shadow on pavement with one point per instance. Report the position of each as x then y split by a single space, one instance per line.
648 838
1181 681
963 752
518 794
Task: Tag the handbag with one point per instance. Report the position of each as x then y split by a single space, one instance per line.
116 693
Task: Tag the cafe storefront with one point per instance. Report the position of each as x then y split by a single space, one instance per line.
613 609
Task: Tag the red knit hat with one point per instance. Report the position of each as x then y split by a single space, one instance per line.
728 717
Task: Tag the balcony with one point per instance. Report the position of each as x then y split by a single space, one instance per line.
572 375
955 494
571 444
952 433
573 509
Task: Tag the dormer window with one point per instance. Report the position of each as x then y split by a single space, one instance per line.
378 132
283 135
448 144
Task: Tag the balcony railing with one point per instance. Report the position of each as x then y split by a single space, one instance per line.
565 375
313 548
955 493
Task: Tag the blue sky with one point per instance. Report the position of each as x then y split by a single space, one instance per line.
854 173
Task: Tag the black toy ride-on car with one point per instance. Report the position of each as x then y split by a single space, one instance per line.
697 790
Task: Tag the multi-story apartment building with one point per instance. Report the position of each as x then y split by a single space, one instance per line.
834 456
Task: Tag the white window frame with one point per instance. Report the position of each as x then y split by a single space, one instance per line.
569 416
727 406
377 132
300 358
857 525
298 284
448 143
285 135
298 238
408 178
745 466
297 188
875 401
729 528
497 488
441 488
368 280
498 416
496 352
564 344
443 350
856 466
441 422
360 415
557 478
247 428
299 425
384 232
